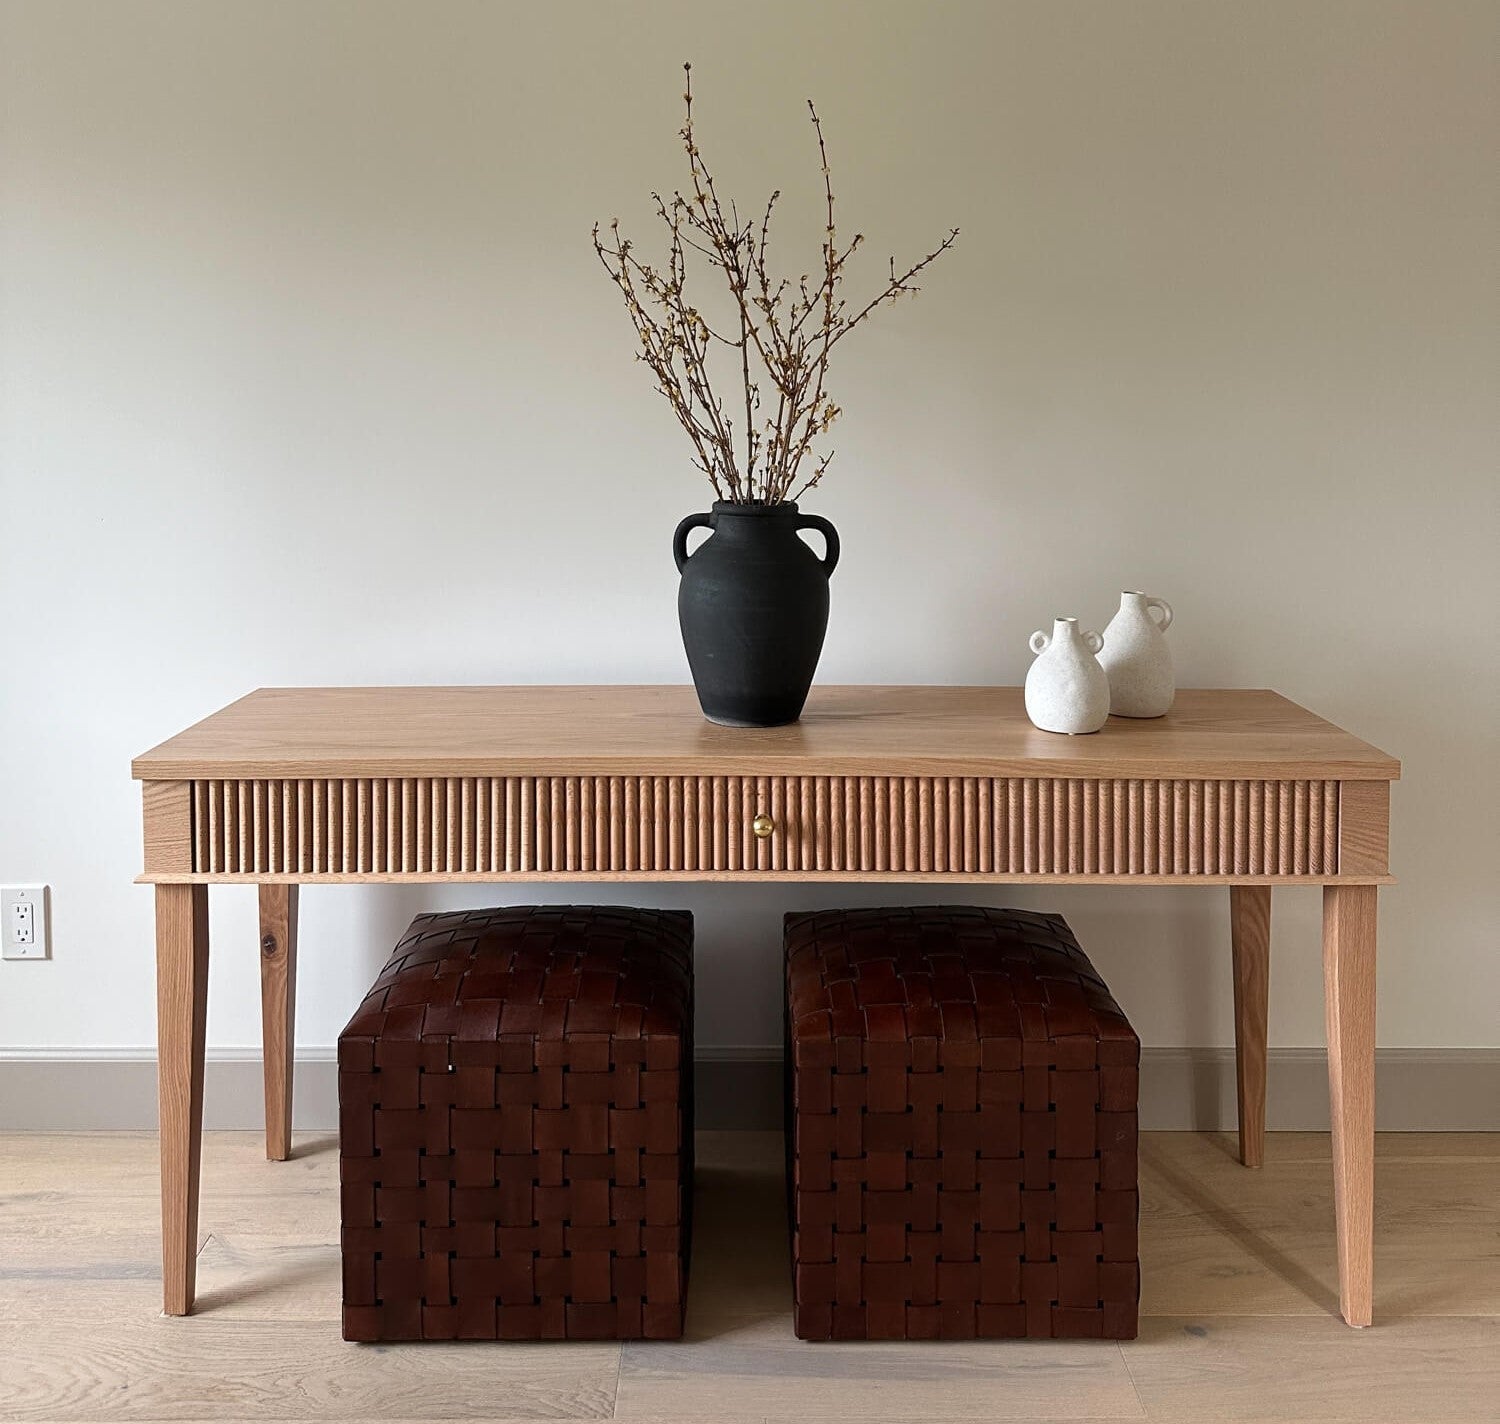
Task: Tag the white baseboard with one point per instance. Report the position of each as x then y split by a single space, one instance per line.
1416 1089
1182 1089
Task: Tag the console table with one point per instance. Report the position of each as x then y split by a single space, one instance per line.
923 785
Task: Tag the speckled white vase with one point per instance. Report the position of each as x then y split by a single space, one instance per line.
1066 689
1137 660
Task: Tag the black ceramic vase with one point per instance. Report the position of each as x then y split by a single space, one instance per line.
753 605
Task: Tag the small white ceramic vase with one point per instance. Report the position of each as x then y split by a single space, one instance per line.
1066 689
1137 660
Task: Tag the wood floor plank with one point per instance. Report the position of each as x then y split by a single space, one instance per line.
125 1163
1218 1240
1316 1147
1232 1370
1239 1294
739 1352
64 1233
206 1367
762 1368
741 1253
70 1220
1203 1269
244 1277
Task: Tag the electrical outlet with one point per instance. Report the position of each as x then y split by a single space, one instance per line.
24 922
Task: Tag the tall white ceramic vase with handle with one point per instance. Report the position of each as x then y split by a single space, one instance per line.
1066 689
1136 658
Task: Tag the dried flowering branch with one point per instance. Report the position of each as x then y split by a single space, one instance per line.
783 332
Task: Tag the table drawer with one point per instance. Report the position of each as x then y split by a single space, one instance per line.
684 824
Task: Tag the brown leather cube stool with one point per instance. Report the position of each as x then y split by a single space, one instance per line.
961 1129
516 1129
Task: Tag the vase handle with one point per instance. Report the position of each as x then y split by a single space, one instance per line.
1038 642
830 538
1166 610
680 538
1094 643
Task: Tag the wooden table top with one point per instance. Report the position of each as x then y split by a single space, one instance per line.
846 731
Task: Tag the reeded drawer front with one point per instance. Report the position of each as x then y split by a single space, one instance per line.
644 824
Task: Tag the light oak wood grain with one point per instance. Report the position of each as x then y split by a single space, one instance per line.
1250 936
296 733
55 1177
278 1006
1349 1011
151 1369
492 826
181 1024
58 1236
773 877
1220 1247
1438 1148
1218 1241
387 784
759 1367
1224 1265
1191 1370
167 826
1364 827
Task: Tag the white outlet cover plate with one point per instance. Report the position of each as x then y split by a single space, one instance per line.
41 941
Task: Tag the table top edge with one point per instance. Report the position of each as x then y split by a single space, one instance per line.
1350 758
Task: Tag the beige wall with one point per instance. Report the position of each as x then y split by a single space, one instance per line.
307 374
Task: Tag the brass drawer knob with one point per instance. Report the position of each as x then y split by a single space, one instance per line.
763 826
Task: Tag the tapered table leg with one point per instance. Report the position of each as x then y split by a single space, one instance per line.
1349 1005
1250 934
278 1012
181 1022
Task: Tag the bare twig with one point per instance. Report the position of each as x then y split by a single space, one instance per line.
785 329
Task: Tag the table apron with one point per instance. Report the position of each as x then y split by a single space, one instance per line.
954 828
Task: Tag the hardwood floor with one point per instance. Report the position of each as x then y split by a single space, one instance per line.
1240 1299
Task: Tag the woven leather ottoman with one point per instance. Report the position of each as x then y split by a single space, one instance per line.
515 1129
961 1129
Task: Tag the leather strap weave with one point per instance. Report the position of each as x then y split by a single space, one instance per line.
962 1128
515 1129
